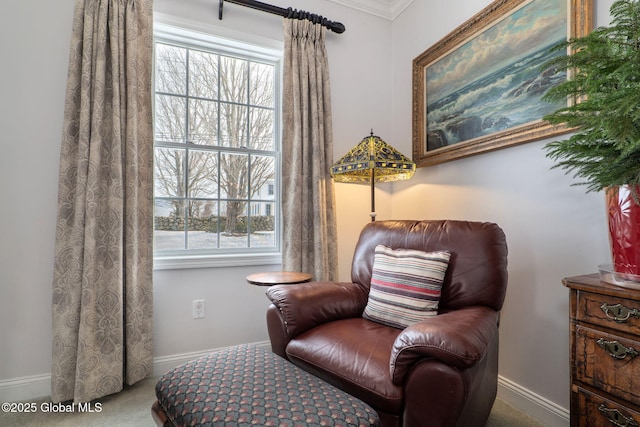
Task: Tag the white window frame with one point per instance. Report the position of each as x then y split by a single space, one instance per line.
193 35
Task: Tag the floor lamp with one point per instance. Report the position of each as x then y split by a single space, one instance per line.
371 161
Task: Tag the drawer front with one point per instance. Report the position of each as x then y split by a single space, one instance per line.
597 411
615 313
608 362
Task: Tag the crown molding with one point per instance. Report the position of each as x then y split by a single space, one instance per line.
388 9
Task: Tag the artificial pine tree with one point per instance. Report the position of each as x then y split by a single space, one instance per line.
603 90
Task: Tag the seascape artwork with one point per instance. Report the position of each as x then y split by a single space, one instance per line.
493 82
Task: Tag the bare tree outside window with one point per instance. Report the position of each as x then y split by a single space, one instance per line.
216 151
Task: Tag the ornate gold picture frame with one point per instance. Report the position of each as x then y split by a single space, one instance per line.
478 89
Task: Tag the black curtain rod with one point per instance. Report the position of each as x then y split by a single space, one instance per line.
336 27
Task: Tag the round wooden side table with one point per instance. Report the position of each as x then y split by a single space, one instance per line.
271 278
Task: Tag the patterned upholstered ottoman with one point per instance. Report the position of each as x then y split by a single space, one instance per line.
248 385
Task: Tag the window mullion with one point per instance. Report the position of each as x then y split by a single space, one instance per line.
187 130
249 144
219 144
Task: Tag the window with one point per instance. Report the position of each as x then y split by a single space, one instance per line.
216 152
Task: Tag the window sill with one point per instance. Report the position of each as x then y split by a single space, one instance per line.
216 261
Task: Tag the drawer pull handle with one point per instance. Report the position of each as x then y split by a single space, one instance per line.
617 350
615 417
619 312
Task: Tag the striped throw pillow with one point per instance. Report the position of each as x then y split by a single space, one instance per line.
405 285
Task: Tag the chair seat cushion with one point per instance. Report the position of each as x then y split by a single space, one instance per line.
352 354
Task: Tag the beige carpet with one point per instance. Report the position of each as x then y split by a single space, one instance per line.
132 408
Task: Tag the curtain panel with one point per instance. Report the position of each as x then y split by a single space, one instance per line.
309 223
102 285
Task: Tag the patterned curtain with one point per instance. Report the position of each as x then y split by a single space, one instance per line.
102 285
309 223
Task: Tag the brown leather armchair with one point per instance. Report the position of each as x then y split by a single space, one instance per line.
441 371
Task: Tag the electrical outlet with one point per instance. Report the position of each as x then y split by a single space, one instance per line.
198 309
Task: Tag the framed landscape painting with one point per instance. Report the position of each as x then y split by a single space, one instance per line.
480 87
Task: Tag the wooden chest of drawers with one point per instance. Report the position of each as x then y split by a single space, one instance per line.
605 353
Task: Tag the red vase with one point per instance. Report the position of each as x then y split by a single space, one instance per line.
624 228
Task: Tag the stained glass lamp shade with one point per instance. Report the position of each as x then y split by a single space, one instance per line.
371 161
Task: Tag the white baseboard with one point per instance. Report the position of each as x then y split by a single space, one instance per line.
542 410
25 389
165 363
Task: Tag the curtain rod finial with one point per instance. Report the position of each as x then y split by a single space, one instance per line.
337 27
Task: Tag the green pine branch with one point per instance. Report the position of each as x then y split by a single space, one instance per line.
603 94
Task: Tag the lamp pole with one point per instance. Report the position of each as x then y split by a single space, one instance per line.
372 169
373 195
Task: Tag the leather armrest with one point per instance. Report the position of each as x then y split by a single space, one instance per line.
458 338
307 305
